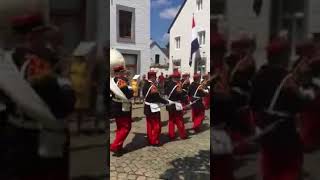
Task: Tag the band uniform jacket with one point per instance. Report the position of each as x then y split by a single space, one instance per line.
240 86
197 95
177 94
152 97
289 102
116 107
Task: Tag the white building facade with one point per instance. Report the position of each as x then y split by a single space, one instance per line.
159 58
130 33
298 17
181 36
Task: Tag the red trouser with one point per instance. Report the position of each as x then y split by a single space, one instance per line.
176 118
206 101
281 165
223 167
123 129
197 117
239 136
310 134
153 128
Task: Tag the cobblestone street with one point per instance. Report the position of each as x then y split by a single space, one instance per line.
180 159
88 152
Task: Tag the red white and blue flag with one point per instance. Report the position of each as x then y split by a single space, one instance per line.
194 43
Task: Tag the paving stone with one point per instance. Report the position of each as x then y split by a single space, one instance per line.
141 178
132 177
156 162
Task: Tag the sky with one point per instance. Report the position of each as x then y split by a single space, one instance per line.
163 13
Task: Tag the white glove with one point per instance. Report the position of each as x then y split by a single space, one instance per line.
171 102
307 93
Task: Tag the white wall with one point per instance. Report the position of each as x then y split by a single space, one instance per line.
163 60
313 16
142 31
156 50
240 17
183 27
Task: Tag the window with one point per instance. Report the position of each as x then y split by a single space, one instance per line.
177 42
220 7
202 37
176 64
199 5
125 24
157 58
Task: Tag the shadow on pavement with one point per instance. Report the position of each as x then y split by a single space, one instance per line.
164 123
137 119
139 141
187 119
100 177
89 132
190 168
81 148
204 128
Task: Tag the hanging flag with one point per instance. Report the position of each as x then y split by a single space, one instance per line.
257 5
194 43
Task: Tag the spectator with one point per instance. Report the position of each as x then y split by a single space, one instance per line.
80 81
141 84
161 83
135 89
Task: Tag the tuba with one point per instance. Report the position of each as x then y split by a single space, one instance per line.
116 59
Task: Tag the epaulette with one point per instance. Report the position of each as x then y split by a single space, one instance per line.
122 83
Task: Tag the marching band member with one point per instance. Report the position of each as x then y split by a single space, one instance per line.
185 88
309 117
221 109
276 98
241 73
152 109
175 93
33 104
120 103
197 93
205 83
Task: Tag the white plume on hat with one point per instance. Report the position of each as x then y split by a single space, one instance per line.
116 58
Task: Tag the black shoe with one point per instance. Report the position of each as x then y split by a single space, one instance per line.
119 153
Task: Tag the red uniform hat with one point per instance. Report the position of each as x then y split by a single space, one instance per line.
186 75
176 74
218 43
118 68
196 77
241 43
152 74
277 47
305 48
25 23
